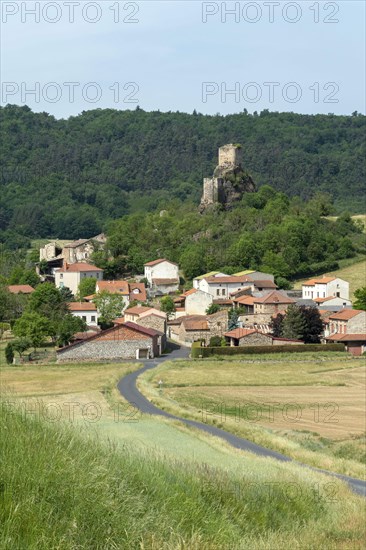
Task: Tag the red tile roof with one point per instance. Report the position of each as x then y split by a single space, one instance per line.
265 284
230 279
245 300
274 297
347 337
159 261
140 295
136 310
144 330
81 306
20 289
320 280
115 287
189 292
345 314
240 332
195 322
78 267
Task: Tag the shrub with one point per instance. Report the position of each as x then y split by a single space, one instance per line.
9 354
249 350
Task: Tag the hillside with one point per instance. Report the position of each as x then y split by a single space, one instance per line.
69 177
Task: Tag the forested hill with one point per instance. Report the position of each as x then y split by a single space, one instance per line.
66 178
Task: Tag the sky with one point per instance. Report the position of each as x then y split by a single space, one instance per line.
65 57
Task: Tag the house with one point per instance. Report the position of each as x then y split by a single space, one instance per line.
191 328
70 276
271 304
193 302
355 343
347 321
324 287
222 286
129 291
333 303
253 337
123 341
133 313
86 311
162 276
20 289
59 253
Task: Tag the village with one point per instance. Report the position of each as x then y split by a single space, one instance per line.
220 310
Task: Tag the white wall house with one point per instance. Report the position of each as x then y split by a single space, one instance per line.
197 302
324 287
162 275
86 311
71 275
220 286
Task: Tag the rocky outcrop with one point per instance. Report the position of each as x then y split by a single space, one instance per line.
229 181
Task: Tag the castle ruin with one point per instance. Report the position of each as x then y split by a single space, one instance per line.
229 180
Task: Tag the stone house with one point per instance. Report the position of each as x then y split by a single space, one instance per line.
129 291
162 276
222 286
133 313
271 304
355 343
253 337
333 303
86 311
191 328
123 341
70 276
324 287
347 321
59 253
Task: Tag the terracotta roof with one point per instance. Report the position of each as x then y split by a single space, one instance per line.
159 261
265 284
81 306
153 311
320 280
222 302
347 337
20 289
240 332
195 322
136 310
189 292
140 295
274 297
144 330
91 297
165 281
345 314
119 320
115 287
245 300
78 267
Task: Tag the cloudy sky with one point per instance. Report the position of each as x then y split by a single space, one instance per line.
64 57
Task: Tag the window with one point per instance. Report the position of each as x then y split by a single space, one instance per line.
217 292
223 292
338 295
61 275
93 318
84 318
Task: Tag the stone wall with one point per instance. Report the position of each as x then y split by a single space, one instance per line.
255 339
230 154
357 325
108 349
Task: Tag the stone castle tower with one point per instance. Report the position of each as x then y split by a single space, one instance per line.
229 180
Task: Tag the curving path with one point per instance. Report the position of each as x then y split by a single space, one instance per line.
128 389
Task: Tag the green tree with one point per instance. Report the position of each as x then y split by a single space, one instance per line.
20 345
110 306
233 319
86 287
9 353
276 325
360 301
314 325
213 308
167 305
3 328
33 327
67 328
294 324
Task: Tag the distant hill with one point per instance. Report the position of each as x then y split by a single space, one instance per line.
69 177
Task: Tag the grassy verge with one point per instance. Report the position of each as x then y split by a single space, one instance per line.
62 489
312 411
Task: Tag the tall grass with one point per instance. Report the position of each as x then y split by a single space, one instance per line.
61 489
